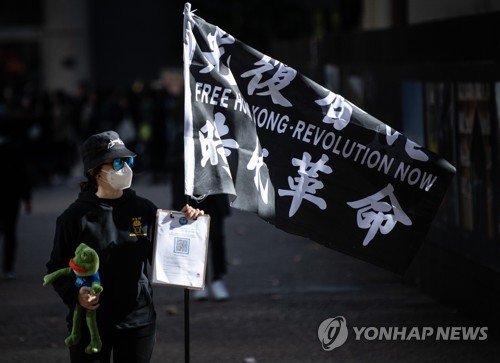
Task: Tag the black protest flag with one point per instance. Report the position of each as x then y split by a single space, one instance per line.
300 156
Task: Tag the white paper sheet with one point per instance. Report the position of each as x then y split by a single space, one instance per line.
180 250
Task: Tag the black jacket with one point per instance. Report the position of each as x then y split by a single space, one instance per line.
121 232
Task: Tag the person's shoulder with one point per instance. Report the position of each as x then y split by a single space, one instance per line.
144 202
74 211
147 203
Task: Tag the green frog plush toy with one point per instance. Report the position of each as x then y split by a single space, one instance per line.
84 265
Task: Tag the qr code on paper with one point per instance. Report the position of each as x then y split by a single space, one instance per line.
181 245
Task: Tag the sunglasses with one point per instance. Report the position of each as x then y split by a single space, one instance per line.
119 163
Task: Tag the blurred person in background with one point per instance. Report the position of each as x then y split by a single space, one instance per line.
159 135
17 188
63 135
87 108
217 206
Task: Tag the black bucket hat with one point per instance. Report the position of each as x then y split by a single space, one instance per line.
99 148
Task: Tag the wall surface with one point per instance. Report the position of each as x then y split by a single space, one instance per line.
64 45
428 10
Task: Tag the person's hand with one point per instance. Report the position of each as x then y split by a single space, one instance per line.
192 213
87 300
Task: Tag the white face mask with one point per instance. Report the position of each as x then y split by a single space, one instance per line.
121 179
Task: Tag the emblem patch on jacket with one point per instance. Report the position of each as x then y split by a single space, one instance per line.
137 228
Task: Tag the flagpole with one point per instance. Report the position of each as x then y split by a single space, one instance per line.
188 130
186 325
186 316
187 54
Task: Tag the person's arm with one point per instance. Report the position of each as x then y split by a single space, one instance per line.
64 249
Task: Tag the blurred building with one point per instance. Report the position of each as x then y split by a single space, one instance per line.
60 43
429 68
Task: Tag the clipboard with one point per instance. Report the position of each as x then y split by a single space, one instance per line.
180 250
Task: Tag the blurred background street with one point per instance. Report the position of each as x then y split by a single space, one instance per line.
428 68
282 288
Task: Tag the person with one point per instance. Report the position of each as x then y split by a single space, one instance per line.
217 206
18 188
112 219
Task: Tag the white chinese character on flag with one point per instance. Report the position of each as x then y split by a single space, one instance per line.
216 42
213 145
256 162
375 214
412 148
338 112
306 185
272 86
